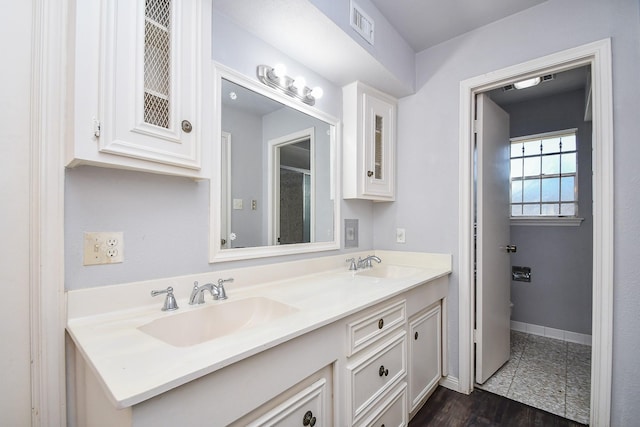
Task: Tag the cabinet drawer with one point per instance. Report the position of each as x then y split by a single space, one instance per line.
309 403
373 374
367 329
392 412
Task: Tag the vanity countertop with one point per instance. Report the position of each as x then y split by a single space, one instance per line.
133 366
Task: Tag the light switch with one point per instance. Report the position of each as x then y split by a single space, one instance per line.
350 233
400 235
237 204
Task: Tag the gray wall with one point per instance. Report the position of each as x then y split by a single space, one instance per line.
428 135
559 294
246 175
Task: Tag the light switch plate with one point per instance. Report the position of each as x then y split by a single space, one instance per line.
237 204
350 233
103 248
401 236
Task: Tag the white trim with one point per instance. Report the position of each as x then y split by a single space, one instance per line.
545 331
545 135
46 222
569 221
598 55
450 382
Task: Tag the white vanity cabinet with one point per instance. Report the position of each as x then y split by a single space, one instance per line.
139 72
377 364
425 352
369 139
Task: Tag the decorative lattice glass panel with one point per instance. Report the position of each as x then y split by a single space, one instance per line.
378 148
157 62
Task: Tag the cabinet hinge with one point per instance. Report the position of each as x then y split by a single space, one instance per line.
96 128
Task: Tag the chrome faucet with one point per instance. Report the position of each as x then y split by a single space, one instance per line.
366 262
217 291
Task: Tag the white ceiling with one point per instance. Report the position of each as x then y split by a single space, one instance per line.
426 23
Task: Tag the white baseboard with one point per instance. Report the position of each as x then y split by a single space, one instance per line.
558 334
450 382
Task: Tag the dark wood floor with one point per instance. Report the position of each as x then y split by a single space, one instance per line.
446 408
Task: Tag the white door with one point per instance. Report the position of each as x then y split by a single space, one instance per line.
493 276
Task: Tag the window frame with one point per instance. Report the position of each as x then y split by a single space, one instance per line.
552 220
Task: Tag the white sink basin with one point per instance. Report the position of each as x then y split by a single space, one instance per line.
388 271
217 319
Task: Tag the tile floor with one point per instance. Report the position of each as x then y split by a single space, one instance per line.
546 373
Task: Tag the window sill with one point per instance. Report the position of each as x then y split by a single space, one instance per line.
547 221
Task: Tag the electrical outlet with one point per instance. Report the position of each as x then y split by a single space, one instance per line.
103 248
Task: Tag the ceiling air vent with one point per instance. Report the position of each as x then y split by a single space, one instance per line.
362 23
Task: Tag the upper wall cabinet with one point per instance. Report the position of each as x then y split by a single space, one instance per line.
369 143
141 73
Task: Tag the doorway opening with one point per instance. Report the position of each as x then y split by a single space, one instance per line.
597 55
541 142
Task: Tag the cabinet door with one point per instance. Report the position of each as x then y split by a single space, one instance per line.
424 355
150 68
379 143
306 408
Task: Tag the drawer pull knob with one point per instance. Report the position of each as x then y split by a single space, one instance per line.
382 371
309 419
380 323
369 174
415 335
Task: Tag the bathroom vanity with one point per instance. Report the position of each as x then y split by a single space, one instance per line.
299 343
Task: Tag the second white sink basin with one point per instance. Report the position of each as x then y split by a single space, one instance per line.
388 271
215 320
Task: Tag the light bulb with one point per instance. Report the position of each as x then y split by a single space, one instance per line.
279 70
299 84
527 83
317 92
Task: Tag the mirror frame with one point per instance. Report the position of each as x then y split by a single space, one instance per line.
218 254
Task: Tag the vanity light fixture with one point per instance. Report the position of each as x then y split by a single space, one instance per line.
276 78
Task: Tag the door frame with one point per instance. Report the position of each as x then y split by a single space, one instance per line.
598 56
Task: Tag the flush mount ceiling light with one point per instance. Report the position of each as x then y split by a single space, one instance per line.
276 78
523 84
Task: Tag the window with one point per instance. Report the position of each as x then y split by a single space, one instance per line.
544 180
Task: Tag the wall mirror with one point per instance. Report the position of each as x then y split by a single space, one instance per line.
273 188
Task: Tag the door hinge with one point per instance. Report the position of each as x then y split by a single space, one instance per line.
476 126
96 128
475 335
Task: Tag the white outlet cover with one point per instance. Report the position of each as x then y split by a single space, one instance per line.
400 235
103 248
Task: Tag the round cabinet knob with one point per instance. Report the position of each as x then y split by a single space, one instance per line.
369 174
382 371
415 336
380 323
186 126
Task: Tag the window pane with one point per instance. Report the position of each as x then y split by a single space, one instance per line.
551 145
516 192
532 148
532 166
531 190
516 149
531 210
568 209
552 209
516 210
551 165
569 163
516 168
568 188
569 143
550 189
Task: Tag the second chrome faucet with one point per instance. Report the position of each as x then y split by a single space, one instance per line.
217 291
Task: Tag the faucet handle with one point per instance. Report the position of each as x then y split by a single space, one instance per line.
170 303
222 294
353 265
